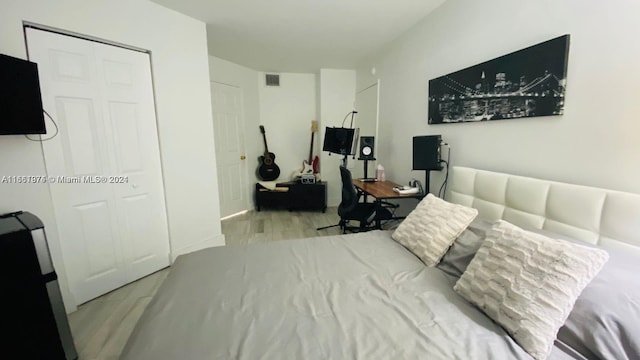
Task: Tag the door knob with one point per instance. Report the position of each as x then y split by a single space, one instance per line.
242 157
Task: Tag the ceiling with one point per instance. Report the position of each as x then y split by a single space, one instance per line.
301 35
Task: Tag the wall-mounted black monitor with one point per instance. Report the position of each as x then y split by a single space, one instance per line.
340 140
20 99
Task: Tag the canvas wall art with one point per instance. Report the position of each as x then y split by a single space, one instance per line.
526 83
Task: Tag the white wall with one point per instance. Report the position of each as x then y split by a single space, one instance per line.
286 111
337 98
597 140
367 121
246 79
181 82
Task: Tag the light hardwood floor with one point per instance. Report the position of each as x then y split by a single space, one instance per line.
102 326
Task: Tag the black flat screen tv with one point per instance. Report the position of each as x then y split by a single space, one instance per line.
20 100
340 140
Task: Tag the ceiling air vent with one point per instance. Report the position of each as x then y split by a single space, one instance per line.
273 79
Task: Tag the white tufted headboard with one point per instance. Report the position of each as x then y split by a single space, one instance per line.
610 219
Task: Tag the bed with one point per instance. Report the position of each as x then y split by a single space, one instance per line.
372 296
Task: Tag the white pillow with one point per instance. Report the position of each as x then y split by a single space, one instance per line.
528 283
430 229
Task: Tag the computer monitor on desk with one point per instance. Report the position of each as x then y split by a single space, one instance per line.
426 155
340 141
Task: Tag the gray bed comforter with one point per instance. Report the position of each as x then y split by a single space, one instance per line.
360 296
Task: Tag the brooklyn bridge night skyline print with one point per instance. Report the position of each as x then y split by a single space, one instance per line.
526 83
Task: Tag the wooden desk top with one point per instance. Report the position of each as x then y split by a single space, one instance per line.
382 189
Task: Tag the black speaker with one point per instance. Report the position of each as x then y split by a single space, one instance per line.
426 152
366 148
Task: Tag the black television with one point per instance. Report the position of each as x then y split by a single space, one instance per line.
20 100
340 140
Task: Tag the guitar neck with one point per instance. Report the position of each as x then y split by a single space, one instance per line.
266 147
314 128
311 149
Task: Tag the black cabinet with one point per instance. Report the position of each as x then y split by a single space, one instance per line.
298 197
308 196
271 199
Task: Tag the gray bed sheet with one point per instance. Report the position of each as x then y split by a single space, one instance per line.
359 296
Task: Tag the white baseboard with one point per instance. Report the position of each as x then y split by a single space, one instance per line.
216 240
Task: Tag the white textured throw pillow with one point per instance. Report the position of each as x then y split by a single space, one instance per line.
528 283
430 229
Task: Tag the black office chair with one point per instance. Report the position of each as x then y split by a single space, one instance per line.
351 209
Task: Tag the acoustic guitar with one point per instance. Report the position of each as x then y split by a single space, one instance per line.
311 166
267 170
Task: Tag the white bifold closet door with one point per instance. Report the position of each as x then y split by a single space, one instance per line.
104 164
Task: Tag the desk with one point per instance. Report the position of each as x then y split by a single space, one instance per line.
382 190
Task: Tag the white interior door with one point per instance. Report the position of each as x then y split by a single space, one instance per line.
226 101
107 186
